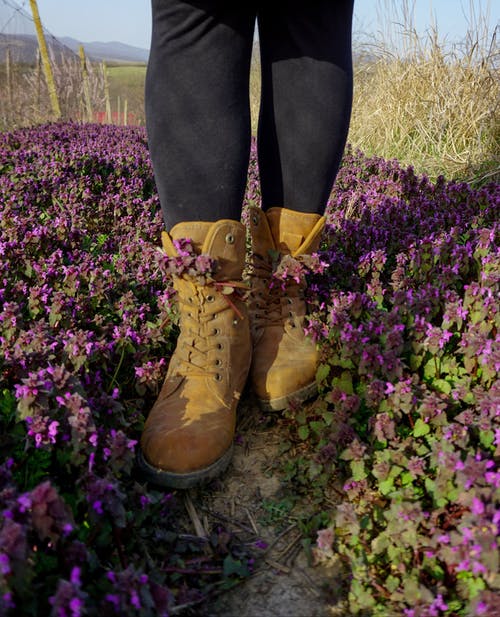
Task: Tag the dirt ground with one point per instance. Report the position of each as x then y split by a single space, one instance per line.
284 583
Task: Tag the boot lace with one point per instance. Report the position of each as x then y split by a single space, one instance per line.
267 294
198 337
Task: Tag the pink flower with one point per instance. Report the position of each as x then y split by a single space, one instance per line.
477 506
325 539
478 568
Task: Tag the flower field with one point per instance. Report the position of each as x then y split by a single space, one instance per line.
406 312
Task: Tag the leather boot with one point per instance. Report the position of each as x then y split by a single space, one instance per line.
284 359
188 436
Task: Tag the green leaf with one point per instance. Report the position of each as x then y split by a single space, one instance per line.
317 426
392 583
322 372
380 543
430 485
486 438
303 431
235 566
394 553
421 428
406 478
441 385
386 486
475 585
328 417
7 405
430 370
415 361
358 470
344 382
359 596
411 590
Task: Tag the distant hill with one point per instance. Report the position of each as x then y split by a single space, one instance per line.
110 52
23 48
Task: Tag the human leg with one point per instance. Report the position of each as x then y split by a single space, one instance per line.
306 100
304 118
197 109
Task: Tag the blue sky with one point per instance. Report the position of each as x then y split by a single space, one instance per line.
128 21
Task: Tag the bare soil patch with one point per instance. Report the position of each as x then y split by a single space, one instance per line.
246 501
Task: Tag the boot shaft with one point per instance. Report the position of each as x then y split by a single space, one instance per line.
223 241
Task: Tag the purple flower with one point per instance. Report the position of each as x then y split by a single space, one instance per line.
477 506
4 564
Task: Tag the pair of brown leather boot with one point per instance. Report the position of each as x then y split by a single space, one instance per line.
188 436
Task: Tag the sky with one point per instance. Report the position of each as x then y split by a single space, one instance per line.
129 21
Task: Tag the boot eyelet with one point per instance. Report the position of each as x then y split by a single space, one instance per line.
289 301
218 362
290 314
216 331
235 322
255 219
220 346
292 324
218 377
229 239
210 298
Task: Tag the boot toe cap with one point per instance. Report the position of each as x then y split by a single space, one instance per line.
186 449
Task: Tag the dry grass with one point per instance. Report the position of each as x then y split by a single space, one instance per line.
422 101
126 83
429 104
24 99
255 88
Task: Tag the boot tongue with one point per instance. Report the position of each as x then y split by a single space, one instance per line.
294 232
222 240
290 229
194 231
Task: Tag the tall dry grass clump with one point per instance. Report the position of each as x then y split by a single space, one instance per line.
427 103
24 97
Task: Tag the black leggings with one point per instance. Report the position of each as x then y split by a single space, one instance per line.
197 103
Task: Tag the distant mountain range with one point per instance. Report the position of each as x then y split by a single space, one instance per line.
23 49
111 52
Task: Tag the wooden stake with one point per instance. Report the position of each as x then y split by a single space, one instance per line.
86 88
38 77
106 92
47 69
8 68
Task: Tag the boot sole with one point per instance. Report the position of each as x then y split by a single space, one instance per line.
184 480
299 396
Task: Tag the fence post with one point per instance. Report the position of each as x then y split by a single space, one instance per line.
8 68
86 88
38 77
106 92
47 69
